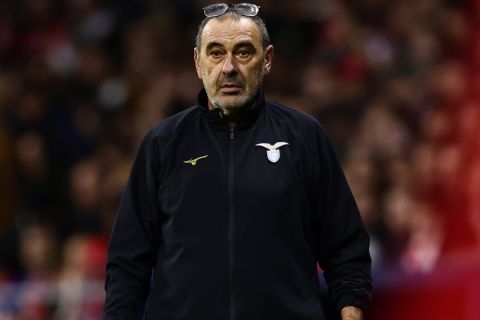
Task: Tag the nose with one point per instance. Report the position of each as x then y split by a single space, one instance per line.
229 65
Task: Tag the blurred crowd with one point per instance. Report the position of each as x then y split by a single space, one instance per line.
81 81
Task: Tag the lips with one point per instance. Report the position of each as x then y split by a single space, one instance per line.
230 87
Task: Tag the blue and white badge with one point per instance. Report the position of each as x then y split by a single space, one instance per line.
273 153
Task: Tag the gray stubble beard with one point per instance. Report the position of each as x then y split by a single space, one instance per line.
240 101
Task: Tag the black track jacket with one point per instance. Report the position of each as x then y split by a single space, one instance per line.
213 227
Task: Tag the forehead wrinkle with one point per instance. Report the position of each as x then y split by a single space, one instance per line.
230 31
223 36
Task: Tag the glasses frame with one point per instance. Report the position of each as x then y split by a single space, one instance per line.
223 8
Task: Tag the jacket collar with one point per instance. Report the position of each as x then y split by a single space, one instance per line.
215 115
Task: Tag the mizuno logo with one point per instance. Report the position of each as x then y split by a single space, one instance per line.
193 162
273 154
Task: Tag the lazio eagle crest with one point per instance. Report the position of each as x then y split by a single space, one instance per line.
273 154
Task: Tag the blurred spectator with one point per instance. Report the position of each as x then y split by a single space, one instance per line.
85 197
32 172
34 296
80 290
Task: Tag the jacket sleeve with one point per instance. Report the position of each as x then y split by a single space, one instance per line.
133 243
341 240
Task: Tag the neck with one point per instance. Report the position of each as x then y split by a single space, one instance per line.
233 117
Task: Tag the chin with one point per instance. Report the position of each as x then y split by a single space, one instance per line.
232 103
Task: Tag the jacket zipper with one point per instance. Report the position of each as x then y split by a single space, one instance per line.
231 211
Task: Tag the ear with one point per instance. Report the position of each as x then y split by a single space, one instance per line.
196 59
268 59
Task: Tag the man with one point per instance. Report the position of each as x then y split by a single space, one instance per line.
231 203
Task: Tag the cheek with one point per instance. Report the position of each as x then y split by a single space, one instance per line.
209 72
254 73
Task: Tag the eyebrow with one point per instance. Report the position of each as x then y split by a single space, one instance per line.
212 45
247 44
238 45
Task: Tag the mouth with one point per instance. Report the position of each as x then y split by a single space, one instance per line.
230 88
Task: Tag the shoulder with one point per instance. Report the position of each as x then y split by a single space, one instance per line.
308 131
171 124
160 135
298 120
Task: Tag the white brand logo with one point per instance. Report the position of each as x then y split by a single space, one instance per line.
273 154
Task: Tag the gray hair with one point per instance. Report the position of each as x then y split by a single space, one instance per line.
235 17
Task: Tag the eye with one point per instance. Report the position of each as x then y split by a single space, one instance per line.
243 53
215 53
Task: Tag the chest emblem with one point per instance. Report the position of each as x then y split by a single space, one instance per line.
193 162
273 154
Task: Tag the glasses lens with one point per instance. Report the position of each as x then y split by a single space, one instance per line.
247 9
215 10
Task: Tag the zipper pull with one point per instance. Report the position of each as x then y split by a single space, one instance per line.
232 134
